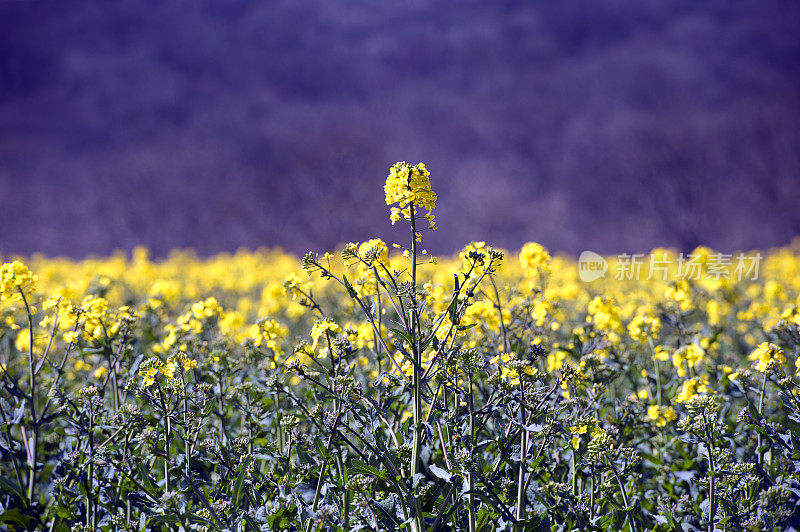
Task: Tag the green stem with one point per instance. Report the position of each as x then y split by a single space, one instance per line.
10 445
323 469
657 370
760 410
471 506
90 487
34 421
628 509
712 474
523 453
418 525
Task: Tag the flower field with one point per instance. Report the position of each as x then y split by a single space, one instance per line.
382 388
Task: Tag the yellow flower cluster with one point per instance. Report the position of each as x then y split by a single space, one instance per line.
687 357
16 277
408 185
642 327
765 354
269 334
588 427
534 258
511 368
324 330
192 322
605 316
661 415
371 254
151 368
692 387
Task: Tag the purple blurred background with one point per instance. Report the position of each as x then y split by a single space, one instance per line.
599 124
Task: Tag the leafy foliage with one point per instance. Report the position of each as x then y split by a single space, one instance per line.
378 392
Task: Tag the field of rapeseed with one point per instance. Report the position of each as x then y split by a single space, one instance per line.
381 388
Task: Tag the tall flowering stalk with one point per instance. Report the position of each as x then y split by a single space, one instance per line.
408 192
17 283
410 187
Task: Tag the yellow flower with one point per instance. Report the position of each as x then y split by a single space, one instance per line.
586 427
540 311
409 184
688 356
148 371
510 366
643 327
660 353
183 360
169 368
555 359
321 329
712 309
692 387
15 276
765 354
534 258
680 293
604 314
268 333
661 415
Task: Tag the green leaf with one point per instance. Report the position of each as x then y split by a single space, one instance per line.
402 334
360 468
148 482
452 308
9 485
441 473
164 519
252 524
240 479
14 516
350 291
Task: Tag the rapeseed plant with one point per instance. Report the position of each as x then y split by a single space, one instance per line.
380 388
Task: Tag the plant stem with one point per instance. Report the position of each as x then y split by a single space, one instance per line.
523 453
413 326
657 370
471 506
760 410
34 421
90 475
712 474
323 469
628 509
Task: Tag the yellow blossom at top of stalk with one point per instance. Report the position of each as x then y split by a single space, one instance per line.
693 387
765 354
587 426
643 327
268 333
15 276
534 258
407 184
604 314
511 367
688 356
